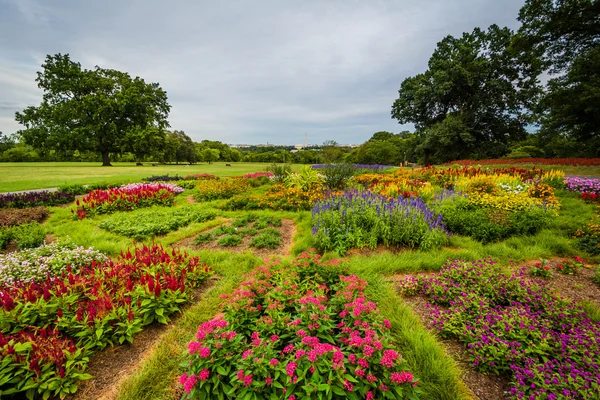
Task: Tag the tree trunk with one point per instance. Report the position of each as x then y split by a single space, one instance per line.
105 159
426 158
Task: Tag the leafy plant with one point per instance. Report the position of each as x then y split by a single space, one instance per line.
144 224
28 236
230 241
269 238
220 189
74 189
34 199
305 179
279 171
337 176
541 269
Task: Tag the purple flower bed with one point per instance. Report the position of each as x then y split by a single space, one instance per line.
34 199
513 324
582 185
366 219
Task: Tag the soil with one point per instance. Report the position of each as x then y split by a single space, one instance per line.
190 199
111 367
577 287
287 229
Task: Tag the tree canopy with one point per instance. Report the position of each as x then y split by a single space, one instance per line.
477 91
100 110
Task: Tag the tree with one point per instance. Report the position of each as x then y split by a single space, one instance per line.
566 36
210 155
100 110
332 152
6 142
476 93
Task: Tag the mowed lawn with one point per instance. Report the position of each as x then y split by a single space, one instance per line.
25 176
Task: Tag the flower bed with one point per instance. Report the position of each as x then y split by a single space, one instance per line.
538 161
14 217
144 224
365 219
49 328
34 199
588 188
299 331
513 324
278 197
210 189
34 265
126 198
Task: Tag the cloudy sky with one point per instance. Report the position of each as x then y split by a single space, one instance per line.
244 71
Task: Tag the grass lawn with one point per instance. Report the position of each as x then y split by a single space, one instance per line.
27 176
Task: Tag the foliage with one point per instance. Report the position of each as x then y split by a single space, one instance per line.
220 189
569 267
36 265
165 178
49 328
513 324
126 198
306 179
541 269
490 221
279 171
34 199
28 236
337 176
12 217
100 110
473 98
144 224
301 330
554 179
74 189
201 176
268 238
365 219
230 240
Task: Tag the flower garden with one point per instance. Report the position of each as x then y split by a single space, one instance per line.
503 259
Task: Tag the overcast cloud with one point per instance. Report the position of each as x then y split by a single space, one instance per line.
245 71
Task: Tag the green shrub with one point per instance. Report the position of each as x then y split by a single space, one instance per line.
15 216
230 241
485 225
266 221
279 171
5 236
204 238
74 189
144 224
306 178
269 238
29 235
245 220
337 176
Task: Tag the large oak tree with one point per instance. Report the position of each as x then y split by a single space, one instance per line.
101 110
473 98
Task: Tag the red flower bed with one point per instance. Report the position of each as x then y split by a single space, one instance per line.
538 161
127 198
49 328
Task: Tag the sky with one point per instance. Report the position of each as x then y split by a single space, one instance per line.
241 71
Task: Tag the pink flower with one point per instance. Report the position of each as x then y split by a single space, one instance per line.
352 358
240 374
387 323
204 352
368 351
299 354
301 333
363 363
404 376
371 378
274 338
292 397
246 354
348 386
389 358
359 372
268 381
369 396
291 368
183 378
193 347
190 383
248 380
288 348
273 362
204 374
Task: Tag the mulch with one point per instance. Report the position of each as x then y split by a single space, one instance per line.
287 229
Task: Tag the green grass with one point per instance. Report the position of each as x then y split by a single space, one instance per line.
27 176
